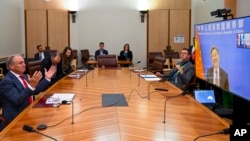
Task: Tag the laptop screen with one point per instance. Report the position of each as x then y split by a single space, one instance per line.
204 96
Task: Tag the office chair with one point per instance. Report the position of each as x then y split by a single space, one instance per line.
151 57
33 66
158 64
107 60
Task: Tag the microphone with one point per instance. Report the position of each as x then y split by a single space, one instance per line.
138 62
28 128
161 89
181 94
31 129
72 115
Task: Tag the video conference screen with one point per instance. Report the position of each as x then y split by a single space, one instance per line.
223 53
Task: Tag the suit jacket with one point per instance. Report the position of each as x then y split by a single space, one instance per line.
182 79
129 55
46 54
222 75
15 97
97 52
46 63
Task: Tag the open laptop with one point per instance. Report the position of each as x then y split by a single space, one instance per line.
205 97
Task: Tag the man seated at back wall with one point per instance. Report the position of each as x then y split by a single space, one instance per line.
41 54
101 50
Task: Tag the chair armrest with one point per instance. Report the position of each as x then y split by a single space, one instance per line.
191 85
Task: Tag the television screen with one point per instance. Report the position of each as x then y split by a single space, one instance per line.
222 51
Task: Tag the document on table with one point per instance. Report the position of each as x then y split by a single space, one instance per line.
152 79
148 76
61 96
138 70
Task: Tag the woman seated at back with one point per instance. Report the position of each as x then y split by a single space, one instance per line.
67 58
126 54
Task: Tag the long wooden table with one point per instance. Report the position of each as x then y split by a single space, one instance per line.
141 120
120 62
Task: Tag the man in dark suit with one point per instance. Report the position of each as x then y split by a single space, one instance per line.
17 89
41 54
183 72
216 75
55 60
101 50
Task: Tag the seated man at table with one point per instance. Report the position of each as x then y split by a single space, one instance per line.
183 72
55 60
41 54
17 89
101 50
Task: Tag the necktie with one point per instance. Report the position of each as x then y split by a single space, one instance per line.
26 85
216 78
40 56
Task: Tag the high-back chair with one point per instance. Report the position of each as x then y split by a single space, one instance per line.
158 64
107 60
86 56
34 66
52 51
151 57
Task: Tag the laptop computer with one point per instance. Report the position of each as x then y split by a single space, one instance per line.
205 97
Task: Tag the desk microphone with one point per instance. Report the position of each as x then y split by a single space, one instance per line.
181 94
138 62
161 89
66 102
31 129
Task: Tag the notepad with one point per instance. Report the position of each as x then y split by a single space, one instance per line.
61 96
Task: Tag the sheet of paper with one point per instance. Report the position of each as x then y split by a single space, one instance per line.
148 75
61 96
152 79
140 70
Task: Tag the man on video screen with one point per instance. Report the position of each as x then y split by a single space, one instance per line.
215 74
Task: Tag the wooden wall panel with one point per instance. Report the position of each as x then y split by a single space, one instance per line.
169 4
58 32
179 25
41 4
35 30
232 5
157 30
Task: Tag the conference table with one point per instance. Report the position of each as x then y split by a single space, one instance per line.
120 62
140 120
